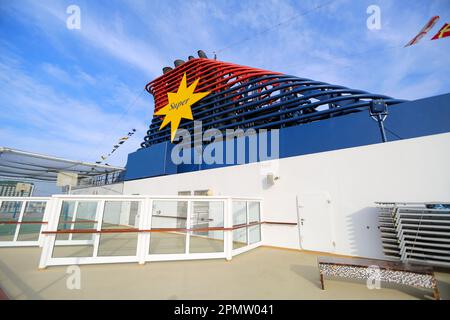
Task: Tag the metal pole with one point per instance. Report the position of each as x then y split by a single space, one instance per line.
381 125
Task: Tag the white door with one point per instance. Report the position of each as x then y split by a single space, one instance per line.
315 222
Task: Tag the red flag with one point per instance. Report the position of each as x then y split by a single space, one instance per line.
444 32
430 24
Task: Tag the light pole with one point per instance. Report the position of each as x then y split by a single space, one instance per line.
378 112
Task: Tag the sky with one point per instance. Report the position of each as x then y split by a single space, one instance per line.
74 92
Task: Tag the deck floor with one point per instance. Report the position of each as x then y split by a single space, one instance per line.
263 273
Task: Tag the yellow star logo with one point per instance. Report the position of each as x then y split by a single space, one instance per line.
179 105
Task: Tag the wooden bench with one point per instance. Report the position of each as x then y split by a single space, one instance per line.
389 271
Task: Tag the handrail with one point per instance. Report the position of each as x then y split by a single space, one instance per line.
79 221
153 197
23 222
65 231
281 223
127 230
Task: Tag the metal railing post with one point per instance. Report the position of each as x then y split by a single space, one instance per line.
18 226
45 218
50 239
188 224
99 219
261 218
228 223
144 237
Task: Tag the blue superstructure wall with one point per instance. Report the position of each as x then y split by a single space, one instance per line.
405 120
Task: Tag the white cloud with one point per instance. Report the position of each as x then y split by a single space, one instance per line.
51 122
96 31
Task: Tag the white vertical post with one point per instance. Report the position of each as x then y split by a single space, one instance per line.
261 218
74 217
99 219
45 217
143 242
50 239
22 209
247 229
188 224
228 223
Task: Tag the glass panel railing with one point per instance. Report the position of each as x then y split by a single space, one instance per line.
169 218
65 221
32 221
204 216
9 215
253 212
122 216
78 216
239 223
114 229
69 251
254 232
85 219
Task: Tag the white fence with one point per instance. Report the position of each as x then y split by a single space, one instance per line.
114 229
22 220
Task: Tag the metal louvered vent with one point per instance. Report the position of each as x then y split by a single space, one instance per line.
416 232
389 238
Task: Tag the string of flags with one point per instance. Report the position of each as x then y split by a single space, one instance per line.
116 146
442 33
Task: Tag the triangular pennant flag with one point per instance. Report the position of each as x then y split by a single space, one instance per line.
443 32
123 138
121 142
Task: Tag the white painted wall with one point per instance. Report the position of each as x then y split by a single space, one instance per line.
409 170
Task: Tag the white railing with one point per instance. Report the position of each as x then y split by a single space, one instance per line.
87 229
22 220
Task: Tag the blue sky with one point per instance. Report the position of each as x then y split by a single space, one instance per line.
68 92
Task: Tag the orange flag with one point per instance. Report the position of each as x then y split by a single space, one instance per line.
444 32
